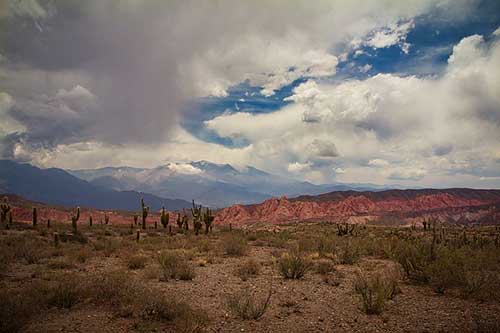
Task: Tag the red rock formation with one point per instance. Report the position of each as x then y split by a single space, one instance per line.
339 206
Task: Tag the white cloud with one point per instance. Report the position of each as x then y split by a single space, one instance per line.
405 126
377 162
340 171
496 32
297 167
394 34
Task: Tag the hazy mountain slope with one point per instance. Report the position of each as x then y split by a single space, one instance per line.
209 183
56 186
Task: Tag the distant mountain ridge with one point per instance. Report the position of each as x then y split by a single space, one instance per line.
211 184
58 187
446 205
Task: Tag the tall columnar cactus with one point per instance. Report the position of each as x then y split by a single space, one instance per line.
179 221
145 211
197 216
90 220
185 222
136 217
165 217
35 217
106 218
9 219
4 209
74 218
208 218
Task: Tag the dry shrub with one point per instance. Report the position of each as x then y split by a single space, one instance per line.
18 307
174 265
234 245
247 269
60 263
136 261
348 253
65 293
375 289
293 265
247 306
324 267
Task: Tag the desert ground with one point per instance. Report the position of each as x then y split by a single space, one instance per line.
303 277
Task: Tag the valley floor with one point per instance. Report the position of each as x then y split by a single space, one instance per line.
105 281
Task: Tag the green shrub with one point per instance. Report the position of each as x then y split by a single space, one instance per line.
293 265
348 253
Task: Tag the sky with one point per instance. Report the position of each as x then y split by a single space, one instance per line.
354 91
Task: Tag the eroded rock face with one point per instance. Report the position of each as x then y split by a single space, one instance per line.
447 205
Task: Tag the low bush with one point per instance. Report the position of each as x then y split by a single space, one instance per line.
247 269
374 290
348 253
246 306
293 265
324 267
234 245
136 262
174 265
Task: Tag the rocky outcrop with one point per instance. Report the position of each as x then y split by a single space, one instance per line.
409 205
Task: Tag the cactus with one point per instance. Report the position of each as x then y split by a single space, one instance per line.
90 220
145 211
344 229
106 218
164 218
185 221
179 221
9 220
4 210
208 218
35 217
48 223
196 212
135 218
75 218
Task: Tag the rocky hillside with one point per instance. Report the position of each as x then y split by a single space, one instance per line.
409 206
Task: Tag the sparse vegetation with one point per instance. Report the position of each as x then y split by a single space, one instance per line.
234 245
293 265
249 268
246 305
174 265
375 289
137 262
104 267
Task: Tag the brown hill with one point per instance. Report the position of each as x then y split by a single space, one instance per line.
408 206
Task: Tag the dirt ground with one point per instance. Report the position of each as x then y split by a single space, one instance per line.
315 303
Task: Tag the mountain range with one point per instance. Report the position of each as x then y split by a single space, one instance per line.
58 187
214 185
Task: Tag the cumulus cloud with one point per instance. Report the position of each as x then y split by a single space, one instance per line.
299 167
404 126
143 61
394 34
112 86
